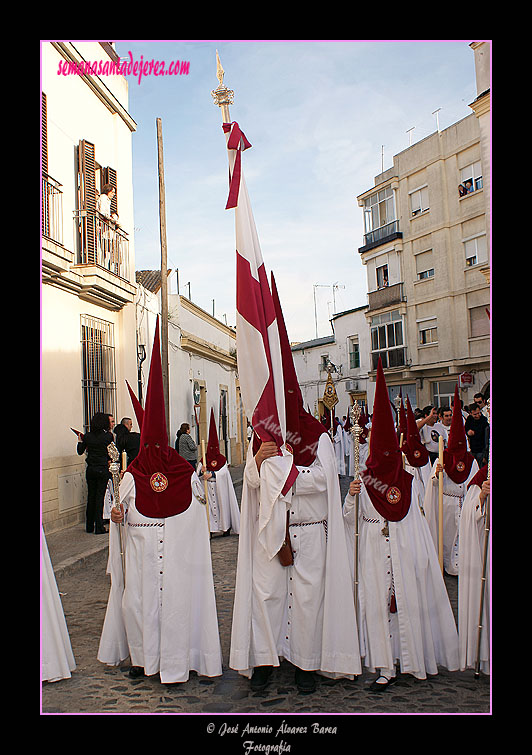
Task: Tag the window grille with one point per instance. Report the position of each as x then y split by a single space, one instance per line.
98 368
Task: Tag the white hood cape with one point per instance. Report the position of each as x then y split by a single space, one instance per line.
340 654
224 513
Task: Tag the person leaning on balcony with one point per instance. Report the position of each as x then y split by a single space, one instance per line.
106 235
103 205
95 443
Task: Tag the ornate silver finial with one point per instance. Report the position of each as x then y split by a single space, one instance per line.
356 430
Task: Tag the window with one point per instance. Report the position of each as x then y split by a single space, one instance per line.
324 362
419 200
354 353
98 378
428 332
443 392
470 179
379 209
382 276
479 322
475 251
424 265
387 339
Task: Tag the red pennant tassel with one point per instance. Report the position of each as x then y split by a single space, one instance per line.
393 604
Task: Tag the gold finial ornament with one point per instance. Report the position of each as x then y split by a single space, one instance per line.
222 96
219 70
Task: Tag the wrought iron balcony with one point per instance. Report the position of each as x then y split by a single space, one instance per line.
102 242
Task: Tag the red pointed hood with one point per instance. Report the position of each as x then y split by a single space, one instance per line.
214 459
457 460
137 406
414 450
303 431
162 477
387 483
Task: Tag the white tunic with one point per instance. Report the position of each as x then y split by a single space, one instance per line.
224 513
471 555
57 657
453 499
422 633
340 449
165 619
304 612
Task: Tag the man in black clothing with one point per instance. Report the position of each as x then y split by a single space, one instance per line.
475 427
95 443
126 440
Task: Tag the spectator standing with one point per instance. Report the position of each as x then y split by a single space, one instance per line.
185 445
95 443
475 427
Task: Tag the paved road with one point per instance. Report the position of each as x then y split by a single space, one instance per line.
95 688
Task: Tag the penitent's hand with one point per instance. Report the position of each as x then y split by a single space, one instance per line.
265 451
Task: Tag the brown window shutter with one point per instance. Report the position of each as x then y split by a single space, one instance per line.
109 176
45 219
87 199
44 135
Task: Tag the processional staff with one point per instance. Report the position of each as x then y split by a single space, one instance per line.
355 432
205 484
114 468
440 503
484 561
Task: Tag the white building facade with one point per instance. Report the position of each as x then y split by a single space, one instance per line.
346 354
87 264
202 368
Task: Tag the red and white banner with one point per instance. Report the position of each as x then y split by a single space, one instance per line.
258 346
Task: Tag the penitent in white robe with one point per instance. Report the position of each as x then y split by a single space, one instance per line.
422 634
453 499
471 555
224 513
304 612
165 619
340 449
57 657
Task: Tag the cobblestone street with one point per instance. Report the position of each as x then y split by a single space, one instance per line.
95 688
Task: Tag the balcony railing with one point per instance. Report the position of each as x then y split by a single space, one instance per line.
52 209
381 235
386 296
102 242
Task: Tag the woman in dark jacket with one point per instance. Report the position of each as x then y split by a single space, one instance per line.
95 443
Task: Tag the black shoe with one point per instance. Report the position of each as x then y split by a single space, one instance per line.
305 681
227 532
135 672
261 677
89 529
103 531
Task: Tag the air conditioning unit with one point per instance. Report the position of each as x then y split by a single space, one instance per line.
351 385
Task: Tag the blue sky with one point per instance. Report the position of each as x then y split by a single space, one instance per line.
317 114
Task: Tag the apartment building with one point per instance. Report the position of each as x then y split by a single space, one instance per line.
88 330
426 251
